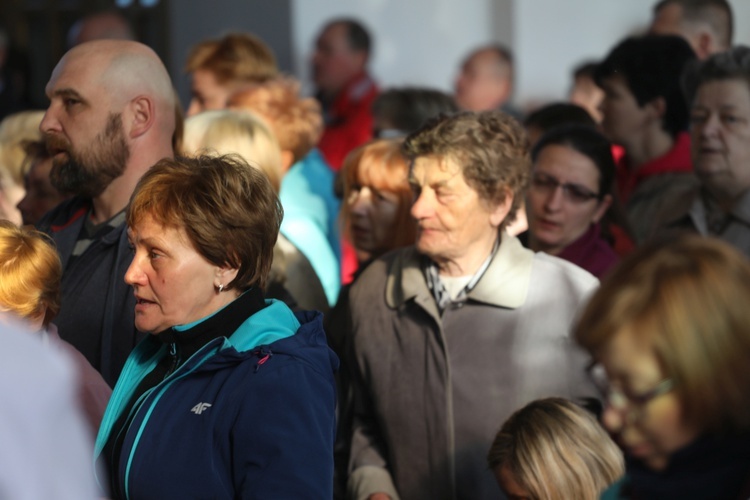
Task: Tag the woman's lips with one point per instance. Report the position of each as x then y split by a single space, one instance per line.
141 303
547 224
359 231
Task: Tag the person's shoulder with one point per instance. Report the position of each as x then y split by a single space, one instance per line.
674 185
552 270
615 491
64 214
378 270
307 346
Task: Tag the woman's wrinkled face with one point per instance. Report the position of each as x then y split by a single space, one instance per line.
563 199
649 428
172 282
372 219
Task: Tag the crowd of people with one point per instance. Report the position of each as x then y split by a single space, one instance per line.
380 294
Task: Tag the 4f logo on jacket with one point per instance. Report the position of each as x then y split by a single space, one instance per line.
200 408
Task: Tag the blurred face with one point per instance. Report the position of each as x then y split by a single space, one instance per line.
667 21
372 220
453 223
172 282
82 131
483 83
507 482
207 93
562 201
588 95
720 136
41 195
623 120
334 63
650 431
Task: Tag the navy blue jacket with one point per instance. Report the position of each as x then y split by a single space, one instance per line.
249 416
97 308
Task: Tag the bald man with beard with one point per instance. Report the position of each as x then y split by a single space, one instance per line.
111 117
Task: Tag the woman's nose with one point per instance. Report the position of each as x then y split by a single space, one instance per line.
134 275
361 201
555 198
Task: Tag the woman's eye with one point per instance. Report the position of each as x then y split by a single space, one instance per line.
730 119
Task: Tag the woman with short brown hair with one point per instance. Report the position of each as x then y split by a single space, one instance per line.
230 396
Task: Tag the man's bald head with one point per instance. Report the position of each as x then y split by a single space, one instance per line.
486 79
111 117
126 70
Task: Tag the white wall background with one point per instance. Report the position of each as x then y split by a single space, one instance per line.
417 42
553 36
421 42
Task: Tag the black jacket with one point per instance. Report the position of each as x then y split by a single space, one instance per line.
97 309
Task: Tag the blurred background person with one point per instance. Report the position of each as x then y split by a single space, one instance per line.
41 196
668 332
14 130
645 112
310 205
377 199
228 394
537 124
293 278
719 93
375 217
708 25
485 81
14 77
397 112
103 25
553 449
570 195
46 451
553 115
220 67
584 91
30 273
344 87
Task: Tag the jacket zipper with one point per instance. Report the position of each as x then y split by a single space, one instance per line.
162 388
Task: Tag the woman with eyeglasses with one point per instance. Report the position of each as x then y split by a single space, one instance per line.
570 195
669 331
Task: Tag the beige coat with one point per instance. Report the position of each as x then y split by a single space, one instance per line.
432 391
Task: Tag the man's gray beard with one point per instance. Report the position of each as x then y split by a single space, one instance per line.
88 174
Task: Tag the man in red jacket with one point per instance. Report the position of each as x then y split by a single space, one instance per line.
344 88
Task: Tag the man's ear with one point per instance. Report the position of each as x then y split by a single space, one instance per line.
703 44
604 205
360 58
658 106
142 115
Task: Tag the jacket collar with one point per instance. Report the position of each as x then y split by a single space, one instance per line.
504 284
